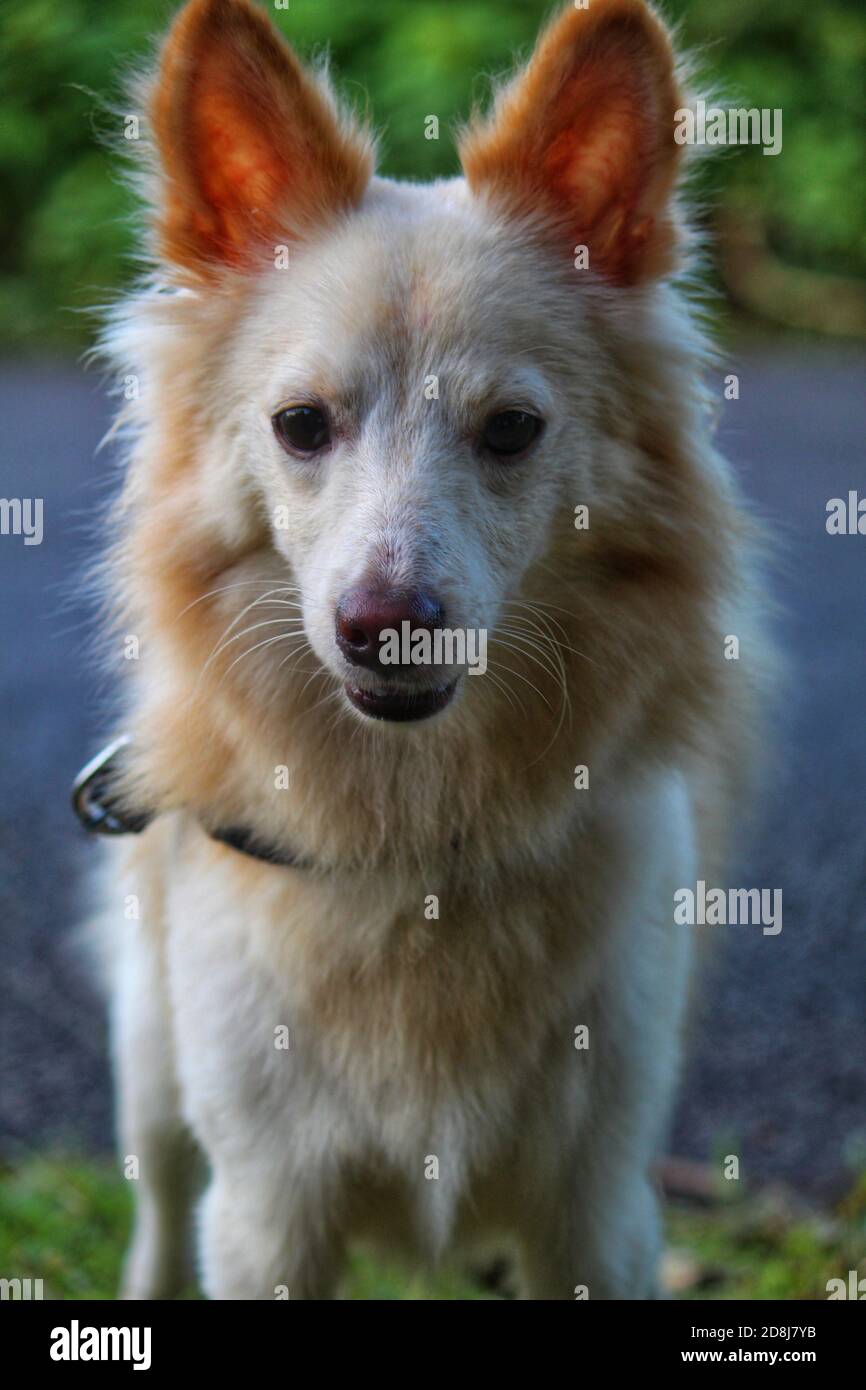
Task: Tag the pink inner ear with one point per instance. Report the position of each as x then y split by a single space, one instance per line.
600 155
242 174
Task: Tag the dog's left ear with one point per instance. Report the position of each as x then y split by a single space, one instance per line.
251 146
584 138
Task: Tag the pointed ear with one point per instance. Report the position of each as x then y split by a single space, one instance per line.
251 146
584 137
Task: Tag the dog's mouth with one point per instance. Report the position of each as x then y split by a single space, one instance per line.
400 706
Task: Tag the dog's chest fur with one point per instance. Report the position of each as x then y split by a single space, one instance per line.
333 1029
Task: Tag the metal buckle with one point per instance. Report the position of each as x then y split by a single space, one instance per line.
91 795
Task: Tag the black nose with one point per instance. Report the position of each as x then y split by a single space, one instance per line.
364 614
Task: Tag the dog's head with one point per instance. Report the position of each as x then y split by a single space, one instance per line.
391 437
405 386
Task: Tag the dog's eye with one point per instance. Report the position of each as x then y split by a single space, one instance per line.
510 432
301 428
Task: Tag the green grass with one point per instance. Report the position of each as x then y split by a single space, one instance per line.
65 1221
768 1247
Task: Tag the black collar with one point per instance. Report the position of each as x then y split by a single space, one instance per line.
102 812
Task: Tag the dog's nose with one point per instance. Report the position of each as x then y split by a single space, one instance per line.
364 614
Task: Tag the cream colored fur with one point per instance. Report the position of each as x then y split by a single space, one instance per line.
411 1037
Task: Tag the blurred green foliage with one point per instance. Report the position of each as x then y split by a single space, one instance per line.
65 227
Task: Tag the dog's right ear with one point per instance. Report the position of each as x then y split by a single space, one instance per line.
252 148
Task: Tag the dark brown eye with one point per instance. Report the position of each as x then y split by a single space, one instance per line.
301 428
510 432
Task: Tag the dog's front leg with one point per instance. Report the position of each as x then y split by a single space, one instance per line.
603 1244
157 1150
267 1236
590 1225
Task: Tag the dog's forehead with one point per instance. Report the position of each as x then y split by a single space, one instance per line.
420 274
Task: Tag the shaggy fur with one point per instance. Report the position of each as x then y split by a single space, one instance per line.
413 1035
